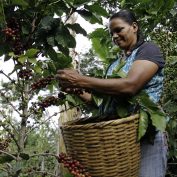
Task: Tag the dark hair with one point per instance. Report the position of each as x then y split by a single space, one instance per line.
129 17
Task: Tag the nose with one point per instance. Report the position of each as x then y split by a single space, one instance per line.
114 36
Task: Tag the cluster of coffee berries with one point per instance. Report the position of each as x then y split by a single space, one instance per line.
42 83
38 107
25 74
48 101
32 169
4 143
9 32
74 166
77 91
12 33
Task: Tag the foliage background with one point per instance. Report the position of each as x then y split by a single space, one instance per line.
43 35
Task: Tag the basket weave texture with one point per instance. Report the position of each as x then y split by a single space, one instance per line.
106 149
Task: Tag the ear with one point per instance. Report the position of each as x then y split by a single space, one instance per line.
135 26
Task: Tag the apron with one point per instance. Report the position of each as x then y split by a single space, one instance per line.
153 88
153 157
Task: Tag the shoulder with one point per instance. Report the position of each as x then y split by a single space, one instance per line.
149 46
150 51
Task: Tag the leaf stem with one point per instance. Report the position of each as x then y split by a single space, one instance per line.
4 152
2 72
3 14
7 99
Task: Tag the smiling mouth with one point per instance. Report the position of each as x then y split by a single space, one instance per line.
118 41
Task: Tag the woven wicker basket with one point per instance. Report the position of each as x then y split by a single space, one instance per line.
106 149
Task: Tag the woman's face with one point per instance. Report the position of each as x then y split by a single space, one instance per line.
123 34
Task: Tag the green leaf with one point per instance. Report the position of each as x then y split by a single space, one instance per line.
107 100
119 74
32 60
89 16
85 14
173 12
4 49
158 120
64 50
100 50
20 2
98 101
122 107
61 7
63 61
52 67
3 174
74 100
38 69
96 19
51 41
25 30
170 107
122 3
122 110
24 156
68 175
69 2
64 38
98 33
11 54
31 53
97 9
77 28
145 101
5 158
143 124
80 2
60 60
46 22
52 53
122 74
22 59
119 67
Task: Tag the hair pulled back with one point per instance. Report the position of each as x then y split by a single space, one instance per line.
129 17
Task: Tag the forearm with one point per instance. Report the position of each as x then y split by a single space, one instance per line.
108 86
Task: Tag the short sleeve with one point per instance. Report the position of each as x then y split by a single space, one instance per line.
150 51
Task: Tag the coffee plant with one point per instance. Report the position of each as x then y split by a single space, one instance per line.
167 38
4 143
74 166
36 38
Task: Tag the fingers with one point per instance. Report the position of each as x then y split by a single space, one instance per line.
67 77
60 75
67 71
63 74
76 91
60 71
66 74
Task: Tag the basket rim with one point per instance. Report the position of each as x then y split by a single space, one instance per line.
72 124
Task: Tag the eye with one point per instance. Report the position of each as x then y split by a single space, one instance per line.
116 30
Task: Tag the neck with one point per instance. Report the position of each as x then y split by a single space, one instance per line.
131 46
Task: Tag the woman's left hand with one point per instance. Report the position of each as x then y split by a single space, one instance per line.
68 78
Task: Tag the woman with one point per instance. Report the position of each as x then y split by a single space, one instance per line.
143 66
